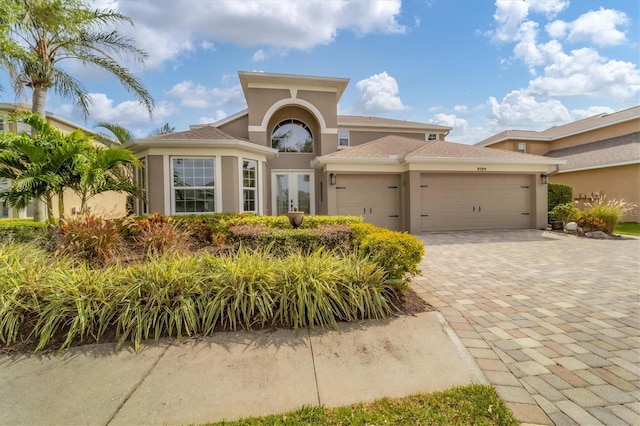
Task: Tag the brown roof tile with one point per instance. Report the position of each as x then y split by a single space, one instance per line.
361 121
196 133
621 149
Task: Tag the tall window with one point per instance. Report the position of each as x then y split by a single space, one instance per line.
3 122
250 186
193 185
292 135
142 182
343 138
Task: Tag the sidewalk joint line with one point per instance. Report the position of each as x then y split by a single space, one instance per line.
135 388
315 372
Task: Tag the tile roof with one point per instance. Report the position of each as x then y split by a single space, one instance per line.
360 121
398 147
621 149
196 133
556 132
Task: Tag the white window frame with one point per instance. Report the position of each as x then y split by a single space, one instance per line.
143 182
432 137
522 147
343 135
256 189
291 173
216 174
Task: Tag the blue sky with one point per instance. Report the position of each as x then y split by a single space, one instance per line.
478 66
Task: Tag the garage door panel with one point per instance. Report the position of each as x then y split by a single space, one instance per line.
374 197
465 202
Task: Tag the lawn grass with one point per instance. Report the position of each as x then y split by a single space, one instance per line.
628 228
465 405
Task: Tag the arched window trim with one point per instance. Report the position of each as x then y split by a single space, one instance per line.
297 122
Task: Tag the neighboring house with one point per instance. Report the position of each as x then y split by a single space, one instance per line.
602 155
108 204
291 150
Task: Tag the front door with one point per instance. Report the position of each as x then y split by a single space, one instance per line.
292 191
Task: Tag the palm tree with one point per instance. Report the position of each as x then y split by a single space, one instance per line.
105 169
41 165
49 32
122 134
166 129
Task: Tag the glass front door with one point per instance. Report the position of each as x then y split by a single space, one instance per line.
292 191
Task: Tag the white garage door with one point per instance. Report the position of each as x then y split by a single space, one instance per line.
375 197
475 201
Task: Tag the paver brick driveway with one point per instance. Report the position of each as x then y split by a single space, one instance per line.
553 320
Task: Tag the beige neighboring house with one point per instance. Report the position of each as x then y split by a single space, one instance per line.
602 155
108 204
290 149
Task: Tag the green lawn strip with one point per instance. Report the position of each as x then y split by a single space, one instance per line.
465 405
628 228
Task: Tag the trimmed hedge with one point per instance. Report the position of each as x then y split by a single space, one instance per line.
558 193
22 230
282 241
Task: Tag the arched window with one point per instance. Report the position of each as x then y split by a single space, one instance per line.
292 135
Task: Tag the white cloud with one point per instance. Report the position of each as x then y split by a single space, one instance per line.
259 56
510 15
599 27
288 24
217 116
584 72
191 95
130 114
378 93
461 108
450 120
521 111
579 114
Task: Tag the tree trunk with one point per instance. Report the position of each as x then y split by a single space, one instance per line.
38 106
49 206
61 205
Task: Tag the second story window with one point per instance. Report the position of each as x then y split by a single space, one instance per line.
522 147
343 138
432 137
292 135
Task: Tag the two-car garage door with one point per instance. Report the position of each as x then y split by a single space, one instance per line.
475 201
447 202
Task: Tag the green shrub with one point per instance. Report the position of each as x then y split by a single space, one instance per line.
360 230
398 253
558 193
158 235
331 237
609 211
565 212
22 230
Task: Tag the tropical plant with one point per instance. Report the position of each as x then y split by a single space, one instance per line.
121 133
166 129
41 165
565 212
558 193
44 34
608 210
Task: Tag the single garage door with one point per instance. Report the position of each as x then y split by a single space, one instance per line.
475 201
375 197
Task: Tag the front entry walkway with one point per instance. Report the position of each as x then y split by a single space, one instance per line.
553 320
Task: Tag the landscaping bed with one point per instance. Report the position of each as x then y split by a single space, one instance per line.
104 281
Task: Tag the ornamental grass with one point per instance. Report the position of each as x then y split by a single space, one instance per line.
59 302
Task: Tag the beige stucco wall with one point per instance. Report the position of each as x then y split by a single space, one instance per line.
614 182
357 137
533 147
238 127
109 204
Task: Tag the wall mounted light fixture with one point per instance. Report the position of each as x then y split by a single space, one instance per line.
332 178
544 178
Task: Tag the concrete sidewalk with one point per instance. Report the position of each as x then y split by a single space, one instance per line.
233 375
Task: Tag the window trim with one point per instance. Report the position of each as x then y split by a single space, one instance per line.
143 182
522 147
430 138
216 176
256 189
340 138
302 124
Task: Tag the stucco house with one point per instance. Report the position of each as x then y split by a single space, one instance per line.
290 149
107 204
602 155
